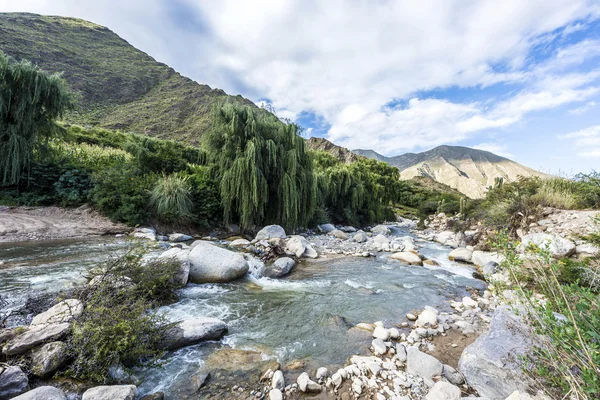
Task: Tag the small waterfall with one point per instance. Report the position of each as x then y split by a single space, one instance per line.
257 267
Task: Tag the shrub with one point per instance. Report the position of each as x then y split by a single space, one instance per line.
72 187
171 198
207 210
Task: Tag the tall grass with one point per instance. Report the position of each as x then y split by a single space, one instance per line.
558 193
172 199
88 156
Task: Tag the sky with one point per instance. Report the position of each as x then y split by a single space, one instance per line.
520 78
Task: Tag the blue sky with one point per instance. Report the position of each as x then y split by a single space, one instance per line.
519 78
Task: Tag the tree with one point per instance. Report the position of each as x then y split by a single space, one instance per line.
30 101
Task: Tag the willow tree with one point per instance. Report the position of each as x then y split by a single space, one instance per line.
30 101
264 169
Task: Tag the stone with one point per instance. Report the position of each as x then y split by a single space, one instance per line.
559 247
48 358
490 268
277 382
337 378
359 237
321 373
516 395
338 234
179 237
379 347
449 238
281 267
13 382
270 232
381 230
461 254
587 250
422 364
401 352
116 392
306 385
33 337
452 375
176 254
42 393
411 317
145 235
492 364
469 302
407 258
275 394
192 331
213 264
326 228
60 313
443 391
154 396
381 333
300 247
427 317
239 243
394 333
481 258
348 229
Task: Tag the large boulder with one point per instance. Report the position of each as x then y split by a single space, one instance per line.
422 364
270 232
43 393
449 238
48 358
117 392
192 331
179 237
381 243
359 237
62 312
281 267
13 382
407 257
427 318
443 391
34 336
381 230
558 246
481 258
239 243
492 364
338 234
144 233
461 254
326 228
212 264
300 247
181 256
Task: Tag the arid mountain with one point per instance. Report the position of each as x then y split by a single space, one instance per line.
467 170
341 153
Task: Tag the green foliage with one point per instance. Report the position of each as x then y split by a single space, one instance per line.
172 198
207 209
72 187
264 168
590 189
116 327
30 101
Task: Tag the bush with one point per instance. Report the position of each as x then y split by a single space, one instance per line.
171 198
116 328
72 188
207 210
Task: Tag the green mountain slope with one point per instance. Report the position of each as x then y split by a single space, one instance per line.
117 86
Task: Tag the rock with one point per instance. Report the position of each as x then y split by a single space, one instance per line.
281 267
481 258
394 333
62 312
179 237
411 317
587 250
277 381
192 331
559 247
348 229
379 347
461 254
449 238
42 393
321 373
381 333
492 364
516 395
337 378
359 237
490 268
213 264
306 385
407 258
183 257
443 391
452 375
275 394
48 358
154 396
338 234
431 262
401 352
326 228
422 364
427 317
13 382
233 228
381 230
117 392
145 235
469 302
270 232
239 243
381 243
357 386
300 247
33 337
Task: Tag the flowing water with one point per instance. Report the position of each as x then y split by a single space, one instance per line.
306 315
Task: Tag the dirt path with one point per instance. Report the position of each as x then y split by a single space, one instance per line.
42 223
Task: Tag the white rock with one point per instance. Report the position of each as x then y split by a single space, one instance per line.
481 258
427 317
179 237
338 234
277 381
461 254
407 258
192 331
213 264
379 347
42 393
394 333
118 392
275 394
443 391
381 230
558 246
422 364
305 384
321 373
381 333
270 232
469 302
239 243
62 312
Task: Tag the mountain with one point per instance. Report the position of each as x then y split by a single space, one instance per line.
341 153
470 171
116 85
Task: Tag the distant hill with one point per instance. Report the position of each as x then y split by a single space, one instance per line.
470 171
341 153
117 86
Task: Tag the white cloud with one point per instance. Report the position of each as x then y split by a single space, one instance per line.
496 148
584 108
587 140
